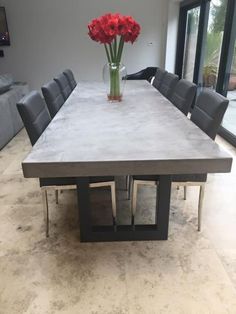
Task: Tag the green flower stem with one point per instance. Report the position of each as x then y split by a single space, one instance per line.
107 53
111 53
114 82
115 49
120 49
114 54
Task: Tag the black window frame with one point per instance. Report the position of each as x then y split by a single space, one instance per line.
226 61
227 49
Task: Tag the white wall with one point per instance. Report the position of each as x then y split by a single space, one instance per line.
172 30
50 35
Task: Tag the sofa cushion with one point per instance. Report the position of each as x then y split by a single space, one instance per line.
5 83
10 120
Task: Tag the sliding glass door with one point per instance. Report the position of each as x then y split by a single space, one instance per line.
229 122
206 51
213 45
191 36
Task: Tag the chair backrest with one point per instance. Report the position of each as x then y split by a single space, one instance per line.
70 77
145 74
168 84
209 111
64 86
183 95
53 97
159 76
34 114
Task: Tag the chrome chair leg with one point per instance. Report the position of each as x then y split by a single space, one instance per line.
130 181
72 187
113 200
127 178
46 210
112 185
200 203
134 200
57 196
185 192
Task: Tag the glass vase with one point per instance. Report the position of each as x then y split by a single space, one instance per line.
114 77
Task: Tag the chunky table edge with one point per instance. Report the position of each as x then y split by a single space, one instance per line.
119 168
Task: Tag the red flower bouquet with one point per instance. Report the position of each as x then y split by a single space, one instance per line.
113 30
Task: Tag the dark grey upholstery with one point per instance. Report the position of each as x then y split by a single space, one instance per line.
53 97
183 95
34 114
64 86
168 84
159 76
70 77
207 115
175 178
199 177
209 111
71 181
151 177
145 74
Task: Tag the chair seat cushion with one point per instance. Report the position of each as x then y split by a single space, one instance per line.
202 177
5 83
71 181
146 177
4 87
101 179
175 178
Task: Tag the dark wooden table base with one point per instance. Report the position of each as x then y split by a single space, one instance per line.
157 231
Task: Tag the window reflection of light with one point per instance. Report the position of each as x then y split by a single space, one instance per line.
217 3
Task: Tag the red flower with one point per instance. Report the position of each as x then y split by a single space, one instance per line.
122 26
105 28
132 33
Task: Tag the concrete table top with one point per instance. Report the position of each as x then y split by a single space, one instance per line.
143 134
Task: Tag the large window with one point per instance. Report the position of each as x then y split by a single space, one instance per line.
190 43
229 122
214 39
206 52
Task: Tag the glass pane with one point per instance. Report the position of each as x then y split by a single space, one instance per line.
190 43
215 32
229 122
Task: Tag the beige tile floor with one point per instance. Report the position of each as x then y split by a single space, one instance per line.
190 273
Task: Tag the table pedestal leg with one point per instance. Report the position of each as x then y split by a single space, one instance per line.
84 207
163 206
156 231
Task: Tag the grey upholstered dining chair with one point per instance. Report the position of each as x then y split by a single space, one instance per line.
36 118
183 95
34 114
145 74
159 76
53 97
168 84
70 77
207 115
64 85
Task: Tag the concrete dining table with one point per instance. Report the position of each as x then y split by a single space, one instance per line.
143 134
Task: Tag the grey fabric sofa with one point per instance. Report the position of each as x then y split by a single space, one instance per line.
10 121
